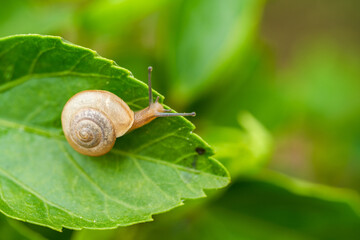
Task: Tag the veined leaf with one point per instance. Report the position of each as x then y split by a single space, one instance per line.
44 181
267 206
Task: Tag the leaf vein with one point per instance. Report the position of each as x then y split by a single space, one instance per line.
30 116
146 176
149 143
188 186
7 202
35 60
16 82
12 47
184 156
31 129
48 213
79 61
75 164
154 160
40 197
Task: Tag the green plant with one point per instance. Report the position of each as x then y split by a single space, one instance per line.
148 171
276 97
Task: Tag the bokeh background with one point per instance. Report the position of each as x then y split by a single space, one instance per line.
276 88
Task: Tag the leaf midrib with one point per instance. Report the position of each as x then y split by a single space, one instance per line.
53 133
59 136
30 190
32 129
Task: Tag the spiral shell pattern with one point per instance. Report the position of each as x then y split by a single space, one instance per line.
93 119
92 131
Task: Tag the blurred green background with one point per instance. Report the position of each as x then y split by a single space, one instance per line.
276 88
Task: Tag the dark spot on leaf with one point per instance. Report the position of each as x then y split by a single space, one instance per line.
200 150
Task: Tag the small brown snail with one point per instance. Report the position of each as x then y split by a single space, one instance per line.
93 119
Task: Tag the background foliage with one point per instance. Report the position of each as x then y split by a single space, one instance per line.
276 88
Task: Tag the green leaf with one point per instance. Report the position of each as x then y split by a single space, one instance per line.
12 229
108 16
322 100
44 181
324 67
268 206
19 16
308 189
262 210
242 151
206 36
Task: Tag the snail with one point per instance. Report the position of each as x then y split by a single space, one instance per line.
93 119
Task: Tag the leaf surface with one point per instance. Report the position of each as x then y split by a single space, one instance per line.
44 181
242 150
12 230
19 16
111 17
206 36
267 206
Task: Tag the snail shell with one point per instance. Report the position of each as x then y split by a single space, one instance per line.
93 119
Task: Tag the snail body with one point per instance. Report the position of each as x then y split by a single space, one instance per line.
93 119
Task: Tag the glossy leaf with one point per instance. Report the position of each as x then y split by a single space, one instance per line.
44 181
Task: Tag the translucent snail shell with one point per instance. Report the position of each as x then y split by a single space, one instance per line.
92 120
